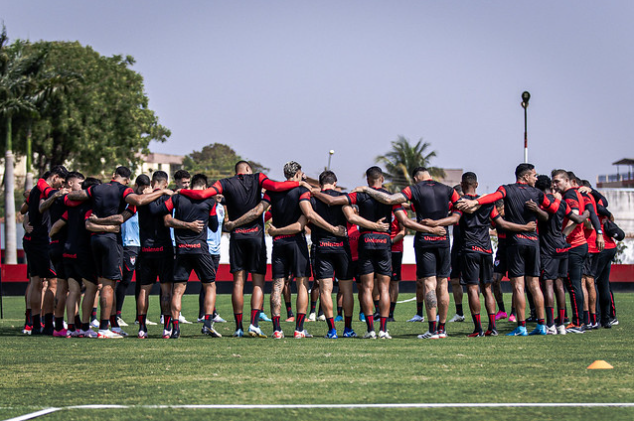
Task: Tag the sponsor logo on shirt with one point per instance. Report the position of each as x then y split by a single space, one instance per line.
189 246
152 249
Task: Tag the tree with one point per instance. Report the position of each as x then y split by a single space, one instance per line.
93 111
401 160
18 71
216 161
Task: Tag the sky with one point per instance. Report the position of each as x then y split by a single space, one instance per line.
291 80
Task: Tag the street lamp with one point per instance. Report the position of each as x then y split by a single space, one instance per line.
330 154
525 97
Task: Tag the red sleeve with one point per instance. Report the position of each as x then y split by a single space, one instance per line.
267 216
89 191
131 209
212 211
278 185
454 196
568 209
413 208
548 206
492 198
407 192
352 198
127 192
494 213
71 203
169 204
573 203
201 194
88 214
42 185
65 216
305 196
266 198
397 207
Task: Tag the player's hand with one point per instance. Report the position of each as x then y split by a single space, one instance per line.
381 225
92 217
584 189
340 231
532 206
305 185
28 228
62 192
531 226
272 230
168 192
26 193
360 189
197 226
147 190
557 195
229 225
429 222
439 231
600 242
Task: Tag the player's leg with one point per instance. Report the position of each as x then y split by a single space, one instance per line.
177 298
301 305
277 291
60 306
290 317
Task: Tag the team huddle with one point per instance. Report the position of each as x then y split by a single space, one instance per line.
552 235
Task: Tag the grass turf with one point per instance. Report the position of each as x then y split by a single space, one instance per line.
39 372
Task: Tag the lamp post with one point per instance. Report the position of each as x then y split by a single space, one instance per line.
525 97
330 154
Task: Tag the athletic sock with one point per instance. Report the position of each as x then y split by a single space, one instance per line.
339 310
521 324
255 317
320 312
71 327
392 307
383 324
348 322
419 308
376 306
119 313
586 317
208 318
513 311
85 326
59 323
37 323
48 321
113 321
28 319
276 323
142 318
238 319
289 309
369 320
550 315
593 318
167 320
299 322
501 306
93 315
432 327
477 323
492 321
441 327
313 304
175 326
459 310
77 320
562 316
330 322
540 321
103 325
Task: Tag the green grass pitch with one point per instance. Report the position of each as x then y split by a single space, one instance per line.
41 372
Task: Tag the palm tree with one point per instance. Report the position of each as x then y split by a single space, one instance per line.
17 71
403 159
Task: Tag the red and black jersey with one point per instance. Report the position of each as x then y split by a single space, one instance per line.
474 228
332 214
515 197
591 233
551 238
573 198
78 237
108 199
371 209
242 193
41 222
353 239
56 211
190 210
394 230
155 237
285 208
430 199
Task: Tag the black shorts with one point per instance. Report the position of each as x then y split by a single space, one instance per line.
397 261
456 264
202 264
290 258
39 260
248 253
355 270
523 260
433 262
130 255
148 269
590 265
327 265
477 267
108 255
80 267
499 264
56 254
554 267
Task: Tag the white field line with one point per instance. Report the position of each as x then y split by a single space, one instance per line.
406 301
337 406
